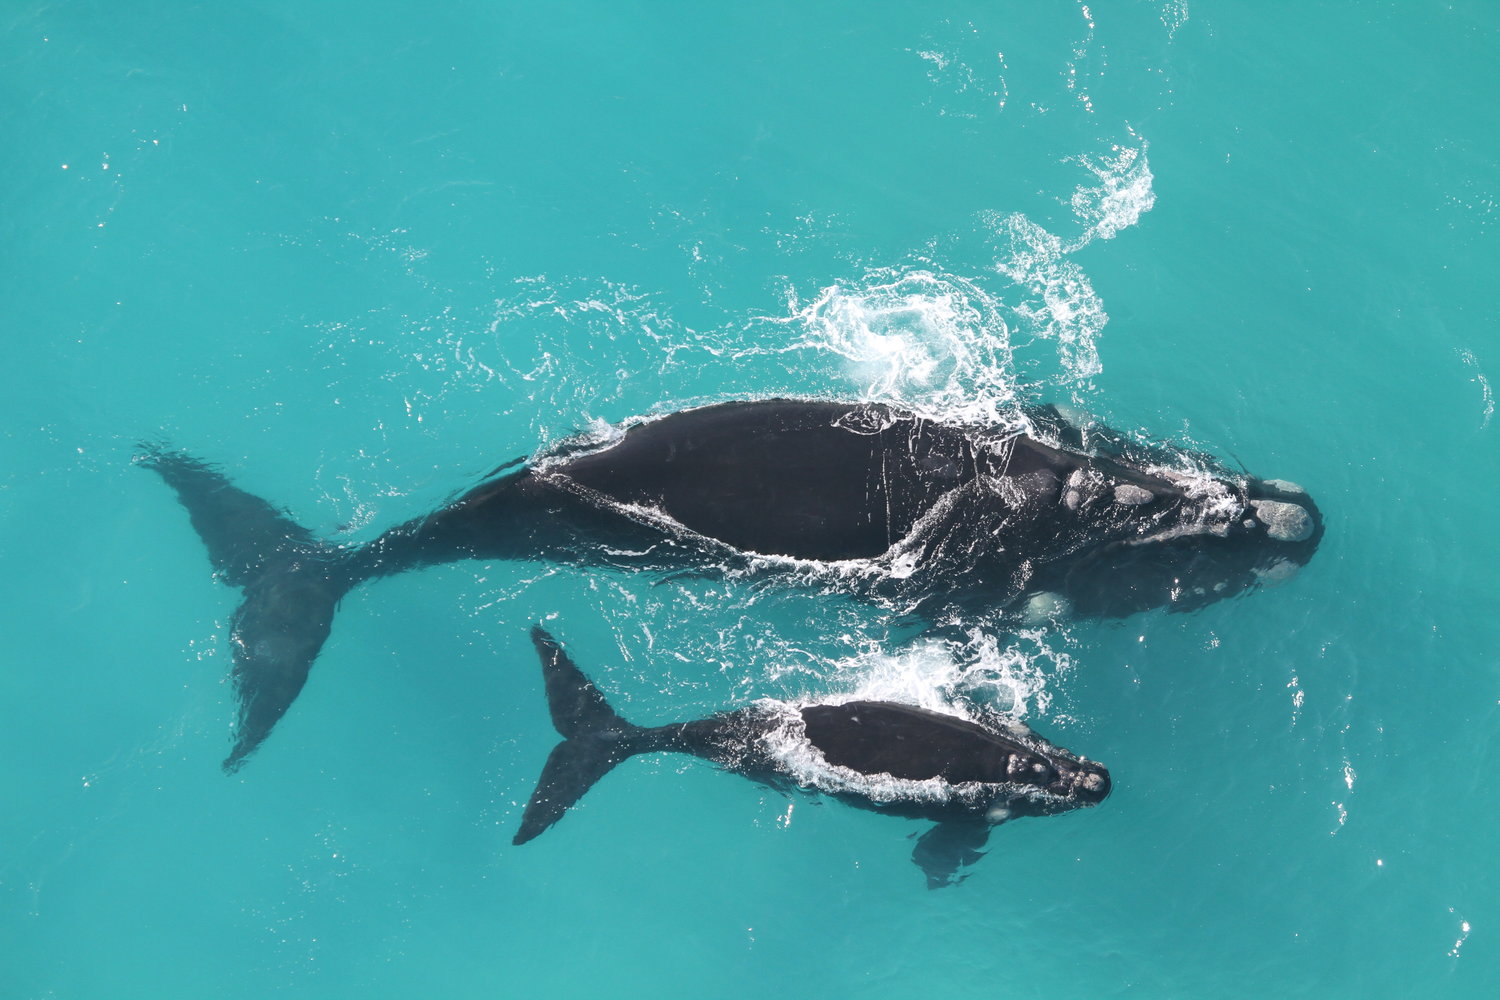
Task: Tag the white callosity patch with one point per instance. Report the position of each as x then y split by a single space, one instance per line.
1284 486
1285 522
1215 503
1081 486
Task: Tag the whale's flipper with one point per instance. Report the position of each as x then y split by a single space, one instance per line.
595 739
292 584
947 847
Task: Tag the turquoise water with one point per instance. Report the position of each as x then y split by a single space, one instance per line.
360 254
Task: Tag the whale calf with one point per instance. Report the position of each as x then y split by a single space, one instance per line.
928 517
888 757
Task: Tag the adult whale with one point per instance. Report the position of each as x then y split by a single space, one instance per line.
967 776
926 516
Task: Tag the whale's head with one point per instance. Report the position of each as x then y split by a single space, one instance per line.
1046 781
1081 782
1161 541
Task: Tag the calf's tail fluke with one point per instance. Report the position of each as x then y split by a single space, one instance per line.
291 580
595 739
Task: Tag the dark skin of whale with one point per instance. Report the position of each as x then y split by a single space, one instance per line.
934 519
984 774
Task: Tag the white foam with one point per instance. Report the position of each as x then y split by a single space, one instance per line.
917 335
1123 194
1174 14
938 343
596 435
1060 303
1469 359
1464 927
949 74
935 343
950 676
1081 55
1203 483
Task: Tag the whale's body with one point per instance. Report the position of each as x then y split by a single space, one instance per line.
966 776
930 517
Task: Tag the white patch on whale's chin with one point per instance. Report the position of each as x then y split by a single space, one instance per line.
1046 606
1277 573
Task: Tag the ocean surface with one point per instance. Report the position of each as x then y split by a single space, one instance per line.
357 255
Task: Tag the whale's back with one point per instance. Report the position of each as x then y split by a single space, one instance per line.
908 742
810 480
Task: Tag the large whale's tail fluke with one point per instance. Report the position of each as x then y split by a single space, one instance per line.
595 739
292 584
